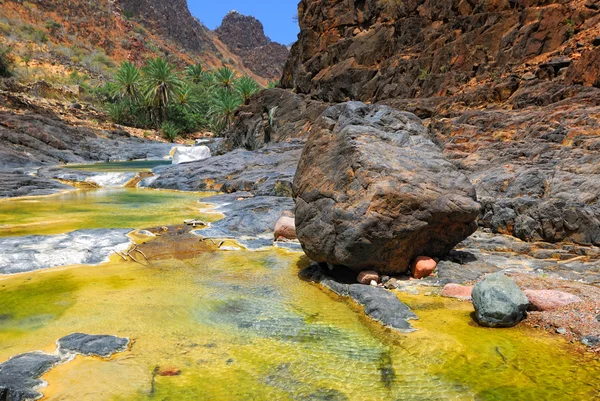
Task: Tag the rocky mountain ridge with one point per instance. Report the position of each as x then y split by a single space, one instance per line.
66 35
245 36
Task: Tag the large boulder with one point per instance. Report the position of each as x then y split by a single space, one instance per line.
372 191
499 302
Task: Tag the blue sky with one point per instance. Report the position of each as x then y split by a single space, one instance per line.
276 15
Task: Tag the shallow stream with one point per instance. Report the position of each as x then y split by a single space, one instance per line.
243 326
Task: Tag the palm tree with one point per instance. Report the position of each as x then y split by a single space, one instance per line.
246 87
161 85
224 104
195 73
225 78
188 98
127 82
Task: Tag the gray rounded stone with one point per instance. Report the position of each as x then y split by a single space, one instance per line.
499 302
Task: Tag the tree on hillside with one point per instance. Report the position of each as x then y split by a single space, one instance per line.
195 73
127 82
246 87
225 78
161 85
225 102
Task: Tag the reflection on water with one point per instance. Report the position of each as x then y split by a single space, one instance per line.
96 208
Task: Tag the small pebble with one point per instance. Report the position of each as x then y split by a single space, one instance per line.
561 330
598 318
374 283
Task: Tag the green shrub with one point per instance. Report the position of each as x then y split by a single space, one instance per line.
169 130
119 112
40 36
6 62
53 27
128 14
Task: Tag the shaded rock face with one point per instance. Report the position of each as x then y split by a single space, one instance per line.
499 302
273 115
245 36
375 50
373 191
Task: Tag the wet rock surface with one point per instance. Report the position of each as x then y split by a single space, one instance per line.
23 182
88 247
92 345
248 219
499 302
20 375
379 304
373 191
33 139
268 171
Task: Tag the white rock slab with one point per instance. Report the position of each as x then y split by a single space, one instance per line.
186 154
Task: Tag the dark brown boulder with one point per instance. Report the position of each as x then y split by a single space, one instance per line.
372 191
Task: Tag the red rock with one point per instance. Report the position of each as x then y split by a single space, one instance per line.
169 371
285 227
457 291
423 266
545 300
367 276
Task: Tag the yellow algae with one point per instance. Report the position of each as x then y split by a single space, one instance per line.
98 208
243 326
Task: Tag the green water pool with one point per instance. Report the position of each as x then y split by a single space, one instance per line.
243 326
97 208
114 167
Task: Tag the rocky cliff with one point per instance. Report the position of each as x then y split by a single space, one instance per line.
373 50
245 36
174 20
507 88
